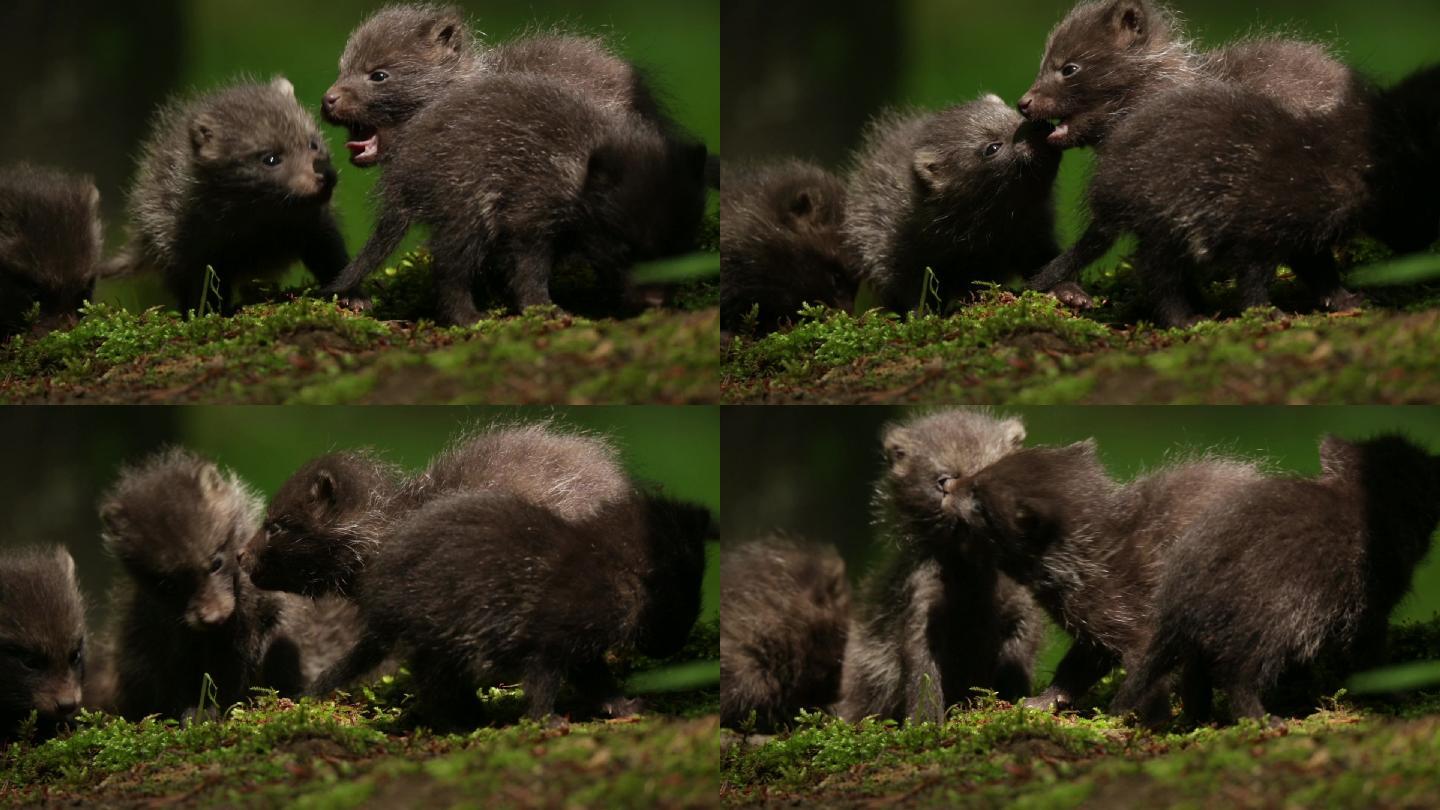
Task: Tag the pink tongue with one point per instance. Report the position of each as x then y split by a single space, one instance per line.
366 149
1059 134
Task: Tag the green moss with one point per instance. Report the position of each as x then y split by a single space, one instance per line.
1027 349
1376 751
309 351
364 750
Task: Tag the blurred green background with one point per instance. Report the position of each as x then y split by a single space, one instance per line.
806 84
88 74
811 471
61 460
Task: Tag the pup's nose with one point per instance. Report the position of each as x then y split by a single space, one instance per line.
1024 106
331 99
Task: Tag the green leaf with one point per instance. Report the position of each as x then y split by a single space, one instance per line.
679 678
1413 269
685 268
1397 678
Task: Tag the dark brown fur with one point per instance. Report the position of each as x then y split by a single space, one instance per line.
175 523
781 244
1129 56
574 155
239 180
50 243
965 192
1088 548
42 640
786 608
486 587
515 172
1406 210
1287 571
938 619
328 519
1226 163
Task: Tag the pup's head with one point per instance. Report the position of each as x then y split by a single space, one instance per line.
926 456
176 522
50 245
42 638
1095 61
981 150
321 525
395 64
1021 503
256 141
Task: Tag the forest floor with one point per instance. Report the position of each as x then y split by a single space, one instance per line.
362 752
1360 753
308 351
1028 349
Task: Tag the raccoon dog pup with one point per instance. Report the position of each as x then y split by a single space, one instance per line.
965 192
781 244
42 640
514 172
405 57
239 180
938 620
1088 548
482 587
782 630
50 244
1288 570
1201 155
328 520
511 171
175 522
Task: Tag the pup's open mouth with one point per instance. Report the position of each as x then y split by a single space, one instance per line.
364 145
1061 132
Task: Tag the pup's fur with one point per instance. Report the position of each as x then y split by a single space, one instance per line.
938 620
781 244
329 519
1406 211
1288 570
483 587
786 608
965 192
175 522
1088 548
1234 161
514 172
574 155
207 195
42 640
50 243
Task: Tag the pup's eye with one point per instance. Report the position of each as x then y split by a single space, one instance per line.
77 656
216 564
379 76
314 145
272 160
1069 70
993 149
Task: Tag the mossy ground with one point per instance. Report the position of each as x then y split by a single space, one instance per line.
1373 752
363 752
1028 349
307 351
